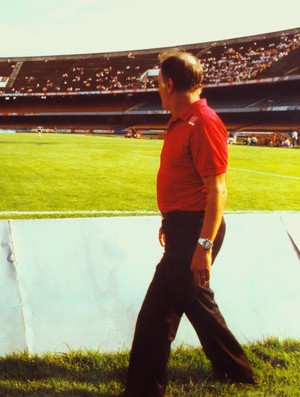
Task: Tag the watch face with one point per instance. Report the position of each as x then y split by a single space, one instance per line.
207 244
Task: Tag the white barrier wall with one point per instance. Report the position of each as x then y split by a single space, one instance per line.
79 283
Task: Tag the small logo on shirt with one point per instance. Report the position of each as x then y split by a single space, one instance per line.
192 120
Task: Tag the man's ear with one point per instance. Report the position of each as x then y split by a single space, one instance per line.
170 85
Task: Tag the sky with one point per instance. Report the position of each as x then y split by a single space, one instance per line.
62 27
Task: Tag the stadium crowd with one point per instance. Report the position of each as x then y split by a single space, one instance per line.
239 63
233 61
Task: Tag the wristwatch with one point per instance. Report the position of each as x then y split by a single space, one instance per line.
205 243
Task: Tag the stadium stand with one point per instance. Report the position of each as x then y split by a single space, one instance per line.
252 82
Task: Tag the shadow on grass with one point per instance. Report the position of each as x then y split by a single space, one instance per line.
74 375
45 392
88 374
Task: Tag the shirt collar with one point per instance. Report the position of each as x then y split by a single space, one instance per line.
188 111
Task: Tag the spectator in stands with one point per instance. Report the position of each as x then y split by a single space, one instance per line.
268 142
254 141
136 133
191 193
294 136
128 134
231 139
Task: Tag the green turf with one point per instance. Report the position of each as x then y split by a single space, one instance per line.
263 178
91 374
64 173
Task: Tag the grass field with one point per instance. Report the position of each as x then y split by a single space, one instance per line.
63 176
92 374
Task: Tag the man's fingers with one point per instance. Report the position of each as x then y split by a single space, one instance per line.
161 237
162 240
201 278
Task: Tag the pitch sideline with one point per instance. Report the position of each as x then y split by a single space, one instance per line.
264 173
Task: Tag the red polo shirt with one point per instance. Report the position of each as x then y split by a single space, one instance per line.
195 147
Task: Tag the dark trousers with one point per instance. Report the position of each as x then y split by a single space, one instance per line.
170 294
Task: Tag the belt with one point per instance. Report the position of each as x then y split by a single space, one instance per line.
182 214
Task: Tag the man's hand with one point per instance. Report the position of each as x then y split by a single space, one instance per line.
161 237
200 266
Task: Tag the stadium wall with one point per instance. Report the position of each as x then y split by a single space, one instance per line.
79 283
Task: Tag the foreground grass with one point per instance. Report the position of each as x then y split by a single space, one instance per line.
89 374
91 173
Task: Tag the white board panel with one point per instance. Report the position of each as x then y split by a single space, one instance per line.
79 283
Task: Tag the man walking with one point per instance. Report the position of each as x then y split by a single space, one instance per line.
191 195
